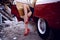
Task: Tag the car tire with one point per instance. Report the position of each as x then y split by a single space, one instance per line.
42 28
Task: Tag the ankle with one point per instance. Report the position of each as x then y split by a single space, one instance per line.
26 22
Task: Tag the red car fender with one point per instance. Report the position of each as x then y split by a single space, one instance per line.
14 11
49 12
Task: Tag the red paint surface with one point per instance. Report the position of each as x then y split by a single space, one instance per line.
15 12
50 12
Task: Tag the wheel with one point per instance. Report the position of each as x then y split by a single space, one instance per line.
42 28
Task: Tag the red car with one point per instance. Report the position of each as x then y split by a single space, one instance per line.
46 15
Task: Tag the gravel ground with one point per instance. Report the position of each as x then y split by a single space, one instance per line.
16 32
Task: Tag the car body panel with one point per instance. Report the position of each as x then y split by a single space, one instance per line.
49 12
14 11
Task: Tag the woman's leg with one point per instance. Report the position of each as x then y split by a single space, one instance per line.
29 14
26 20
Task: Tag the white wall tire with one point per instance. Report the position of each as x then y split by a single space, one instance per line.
42 28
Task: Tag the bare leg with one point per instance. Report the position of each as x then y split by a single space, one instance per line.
29 14
26 20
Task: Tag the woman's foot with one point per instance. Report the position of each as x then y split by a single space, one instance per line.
26 32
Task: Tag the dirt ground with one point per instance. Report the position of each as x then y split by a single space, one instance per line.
16 32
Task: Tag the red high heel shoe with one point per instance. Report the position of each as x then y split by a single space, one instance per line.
26 32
